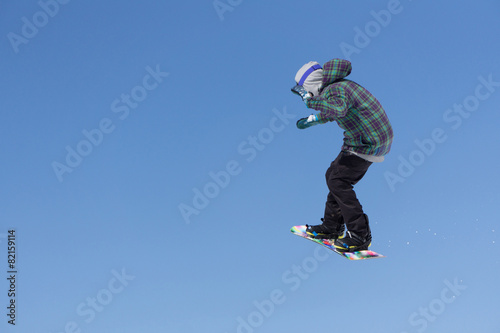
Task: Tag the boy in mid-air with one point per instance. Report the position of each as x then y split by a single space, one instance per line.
367 138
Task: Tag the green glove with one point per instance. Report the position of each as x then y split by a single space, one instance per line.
304 123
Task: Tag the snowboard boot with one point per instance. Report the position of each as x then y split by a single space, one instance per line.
322 231
353 242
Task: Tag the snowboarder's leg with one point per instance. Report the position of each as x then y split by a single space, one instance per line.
333 218
332 226
333 215
344 172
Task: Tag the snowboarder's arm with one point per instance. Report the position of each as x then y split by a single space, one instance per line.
332 105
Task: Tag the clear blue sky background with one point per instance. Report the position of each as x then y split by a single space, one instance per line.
433 207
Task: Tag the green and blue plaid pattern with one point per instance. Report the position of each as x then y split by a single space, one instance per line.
366 125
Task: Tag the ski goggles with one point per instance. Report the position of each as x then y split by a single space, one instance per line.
307 73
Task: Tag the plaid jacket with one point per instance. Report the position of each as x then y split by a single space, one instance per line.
367 128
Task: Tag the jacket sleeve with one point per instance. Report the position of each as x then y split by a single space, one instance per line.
332 104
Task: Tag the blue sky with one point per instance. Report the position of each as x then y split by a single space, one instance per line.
116 116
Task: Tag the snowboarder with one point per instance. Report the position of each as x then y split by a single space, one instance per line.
367 138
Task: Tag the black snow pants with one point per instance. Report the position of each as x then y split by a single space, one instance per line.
342 205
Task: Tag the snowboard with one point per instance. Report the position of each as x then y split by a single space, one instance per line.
300 230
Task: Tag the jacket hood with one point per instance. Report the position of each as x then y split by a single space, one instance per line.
335 70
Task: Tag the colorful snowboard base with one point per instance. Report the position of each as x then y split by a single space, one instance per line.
300 230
